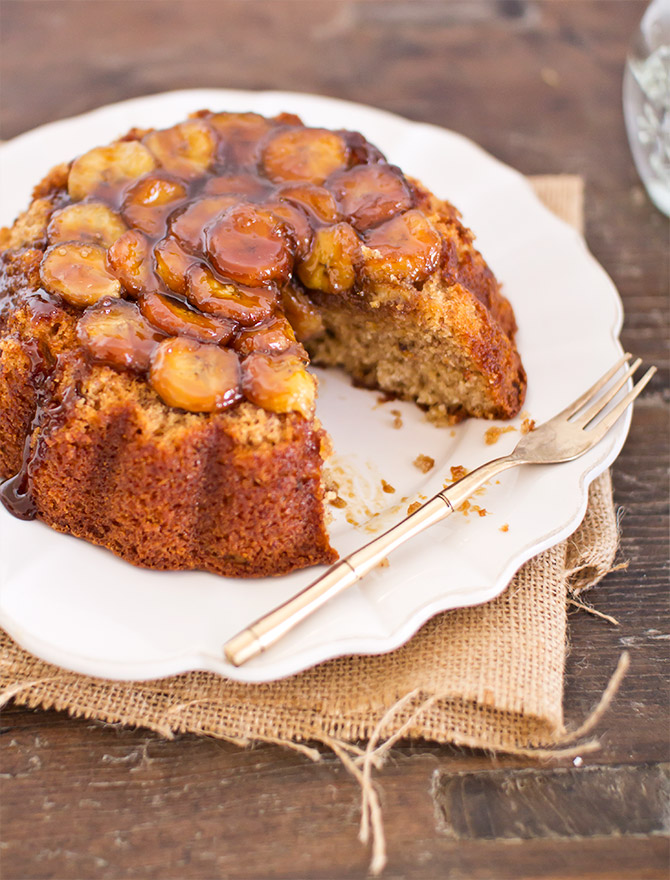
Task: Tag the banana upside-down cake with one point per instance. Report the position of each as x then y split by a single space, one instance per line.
161 300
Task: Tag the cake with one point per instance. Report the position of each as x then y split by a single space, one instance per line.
161 299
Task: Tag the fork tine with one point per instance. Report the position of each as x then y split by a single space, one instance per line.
603 426
576 405
602 401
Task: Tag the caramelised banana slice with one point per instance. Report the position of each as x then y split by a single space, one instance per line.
245 306
104 171
273 335
316 200
370 194
177 318
195 376
310 154
296 222
250 245
189 226
187 149
279 383
172 263
78 272
361 151
130 260
405 248
149 202
240 135
301 313
114 332
331 262
86 221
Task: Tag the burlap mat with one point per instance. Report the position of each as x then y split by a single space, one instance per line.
489 676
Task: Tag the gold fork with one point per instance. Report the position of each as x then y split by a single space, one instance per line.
563 438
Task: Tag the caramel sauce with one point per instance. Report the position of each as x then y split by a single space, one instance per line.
16 492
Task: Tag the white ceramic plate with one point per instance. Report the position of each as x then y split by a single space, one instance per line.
79 606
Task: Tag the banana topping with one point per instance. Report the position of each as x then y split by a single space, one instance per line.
177 318
195 376
78 273
187 149
405 248
309 154
331 262
102 170
86 221
245 306
130 260
279 383
150 201
192 252
114 332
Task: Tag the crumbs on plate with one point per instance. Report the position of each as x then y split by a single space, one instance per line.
492 435
397 418
458 472
424 463
468 507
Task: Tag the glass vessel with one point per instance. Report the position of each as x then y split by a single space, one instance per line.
646 102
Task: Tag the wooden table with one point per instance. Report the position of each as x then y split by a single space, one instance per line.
538 84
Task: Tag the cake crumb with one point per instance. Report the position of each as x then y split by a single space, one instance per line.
482 511
387 487
458 472
414 506
527 426
337 501
504 527
384 563
424 463
397 418
492 435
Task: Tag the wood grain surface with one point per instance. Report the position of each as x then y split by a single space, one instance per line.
538 84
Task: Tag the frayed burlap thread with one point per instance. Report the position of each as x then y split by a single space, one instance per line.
490 676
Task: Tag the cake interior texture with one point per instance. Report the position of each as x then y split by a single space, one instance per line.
160 301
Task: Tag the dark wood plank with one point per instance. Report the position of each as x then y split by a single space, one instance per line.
538 84
537 803
112 802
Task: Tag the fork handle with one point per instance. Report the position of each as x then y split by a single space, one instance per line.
343 574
